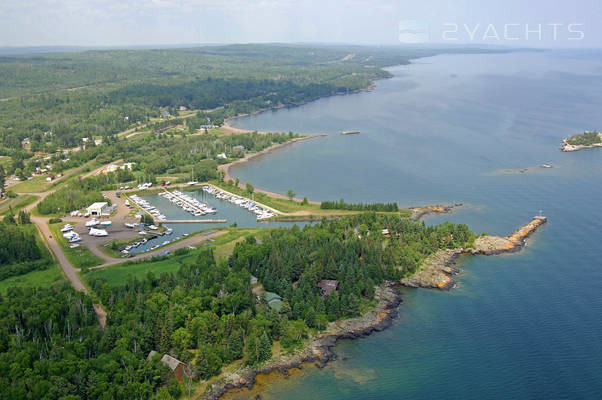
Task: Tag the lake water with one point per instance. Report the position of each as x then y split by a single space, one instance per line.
455 129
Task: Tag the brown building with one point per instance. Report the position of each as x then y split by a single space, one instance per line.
327 286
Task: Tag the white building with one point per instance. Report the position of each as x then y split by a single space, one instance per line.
100 208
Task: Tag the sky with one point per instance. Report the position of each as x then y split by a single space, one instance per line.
575 23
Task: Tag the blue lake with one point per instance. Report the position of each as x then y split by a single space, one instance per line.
459 129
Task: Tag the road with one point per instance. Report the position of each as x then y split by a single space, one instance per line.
189 241
71 273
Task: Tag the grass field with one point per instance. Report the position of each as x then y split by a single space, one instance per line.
44 278
222 247
80 257
17 203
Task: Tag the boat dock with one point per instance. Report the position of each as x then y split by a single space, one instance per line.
196 209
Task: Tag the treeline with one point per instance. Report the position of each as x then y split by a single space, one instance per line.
341 205
20 252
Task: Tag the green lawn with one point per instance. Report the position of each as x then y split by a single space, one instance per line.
17 203
80 257
44 278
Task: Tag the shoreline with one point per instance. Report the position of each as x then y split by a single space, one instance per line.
437 271
319 350
439 268
248 157
567 147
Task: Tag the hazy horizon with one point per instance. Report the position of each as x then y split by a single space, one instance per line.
95 23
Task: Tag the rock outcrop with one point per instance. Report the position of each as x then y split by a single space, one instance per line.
437 271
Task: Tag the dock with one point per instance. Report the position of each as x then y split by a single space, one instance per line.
349 132
186 202
194 221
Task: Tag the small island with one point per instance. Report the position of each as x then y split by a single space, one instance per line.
586 140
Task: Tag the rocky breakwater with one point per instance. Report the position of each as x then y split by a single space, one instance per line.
437 271
319 348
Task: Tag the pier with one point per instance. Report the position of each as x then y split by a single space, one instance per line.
194 207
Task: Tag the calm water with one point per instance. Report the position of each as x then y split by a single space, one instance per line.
443 130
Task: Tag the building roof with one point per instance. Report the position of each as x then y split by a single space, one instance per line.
170 361
269 296
98 204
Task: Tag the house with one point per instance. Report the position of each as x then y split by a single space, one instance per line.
97 142
207 127
238 149
165 114
99 208
274 301
253 280
127 166
25 142
222 156
182 108
178 368
327 286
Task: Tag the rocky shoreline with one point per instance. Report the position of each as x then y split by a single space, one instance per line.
421 211
437 271
319 350
567 147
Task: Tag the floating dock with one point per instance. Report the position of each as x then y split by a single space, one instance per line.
193 206
349 132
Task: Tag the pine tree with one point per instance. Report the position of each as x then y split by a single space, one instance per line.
265 348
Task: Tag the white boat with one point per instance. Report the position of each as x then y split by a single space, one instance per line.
74 245
106 223
97 232
131 226
168 231
92 222
67 228
141 233
153 227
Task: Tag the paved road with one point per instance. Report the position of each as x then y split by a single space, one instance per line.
189 241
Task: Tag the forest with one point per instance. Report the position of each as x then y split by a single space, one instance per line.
20 251
55 100
205 314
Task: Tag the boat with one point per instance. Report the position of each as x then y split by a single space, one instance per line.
168 231
91 223
141 233
131 226
67 228
106 223
349 132
74 246
97 232
153 227
546 166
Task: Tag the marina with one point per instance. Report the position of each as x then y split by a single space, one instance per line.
240 201
187 203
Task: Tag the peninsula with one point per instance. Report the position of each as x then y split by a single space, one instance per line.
586 140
